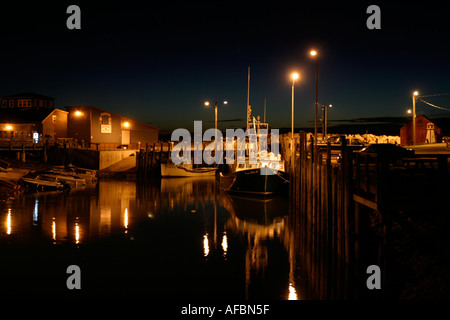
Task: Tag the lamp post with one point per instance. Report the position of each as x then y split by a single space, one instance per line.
314 54
325 121
294 77
215 114
414 97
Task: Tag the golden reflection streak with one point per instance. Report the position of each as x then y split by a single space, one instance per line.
205 245
125 219
225 244
292 292
77 233
8 222
54 229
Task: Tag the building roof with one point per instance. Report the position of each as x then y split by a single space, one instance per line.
24 115
28 95
417 117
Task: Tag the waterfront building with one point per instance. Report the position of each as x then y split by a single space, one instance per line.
27 100
21 123
426 131
108 130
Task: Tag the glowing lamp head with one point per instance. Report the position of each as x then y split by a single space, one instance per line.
313 53
295 76
225 102
409 111
207 103
126 124
416 93
8 127
78 113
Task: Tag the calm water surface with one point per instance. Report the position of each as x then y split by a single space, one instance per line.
167 239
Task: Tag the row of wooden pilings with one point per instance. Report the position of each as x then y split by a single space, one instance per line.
322 213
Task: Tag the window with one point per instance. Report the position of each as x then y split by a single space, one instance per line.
105 118
11 103
105 122
54 118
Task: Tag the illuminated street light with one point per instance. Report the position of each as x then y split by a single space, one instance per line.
294 77
126 124
414 97
315 54
78 113
8 127
207 104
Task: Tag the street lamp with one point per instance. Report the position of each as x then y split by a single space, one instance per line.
316 55
414 97
325 120
294 77
207 104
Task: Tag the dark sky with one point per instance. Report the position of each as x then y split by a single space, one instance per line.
158 61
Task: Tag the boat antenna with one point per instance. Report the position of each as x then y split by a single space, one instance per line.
248 97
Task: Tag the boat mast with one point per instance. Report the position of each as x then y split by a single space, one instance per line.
248 118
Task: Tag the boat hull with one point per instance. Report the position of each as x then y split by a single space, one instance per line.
38 184
256 181
171 170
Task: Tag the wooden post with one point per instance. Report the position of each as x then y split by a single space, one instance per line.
23 152
45 151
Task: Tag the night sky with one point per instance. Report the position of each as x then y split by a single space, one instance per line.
158 61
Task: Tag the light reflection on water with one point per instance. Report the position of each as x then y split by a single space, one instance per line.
234 233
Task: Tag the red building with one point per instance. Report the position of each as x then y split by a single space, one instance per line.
426 132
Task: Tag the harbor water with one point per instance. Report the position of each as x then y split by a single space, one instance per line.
163 239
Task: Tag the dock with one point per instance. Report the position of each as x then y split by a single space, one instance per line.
344 203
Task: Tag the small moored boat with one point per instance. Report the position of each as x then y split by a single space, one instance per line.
186 170
39 183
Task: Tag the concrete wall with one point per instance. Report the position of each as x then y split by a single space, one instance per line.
108 158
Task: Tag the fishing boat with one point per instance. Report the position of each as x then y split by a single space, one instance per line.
186 170
265 177
262 176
